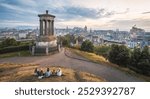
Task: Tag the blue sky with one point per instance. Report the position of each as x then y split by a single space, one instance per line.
96 14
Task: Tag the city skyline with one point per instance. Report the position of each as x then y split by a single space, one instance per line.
96 14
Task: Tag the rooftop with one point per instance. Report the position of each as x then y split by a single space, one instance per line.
46 14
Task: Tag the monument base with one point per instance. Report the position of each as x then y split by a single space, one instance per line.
46 38
44 50
45 45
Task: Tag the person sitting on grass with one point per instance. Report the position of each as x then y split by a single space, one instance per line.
53 72
36 72
59 72
47 73
41 75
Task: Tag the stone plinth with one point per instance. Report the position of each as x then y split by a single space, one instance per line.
46 38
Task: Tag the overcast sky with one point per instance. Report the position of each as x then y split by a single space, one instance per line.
96 14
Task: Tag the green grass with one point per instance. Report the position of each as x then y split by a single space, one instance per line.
13 54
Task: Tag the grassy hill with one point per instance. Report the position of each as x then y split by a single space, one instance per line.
101 60
10 72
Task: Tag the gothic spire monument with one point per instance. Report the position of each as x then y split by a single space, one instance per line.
46 41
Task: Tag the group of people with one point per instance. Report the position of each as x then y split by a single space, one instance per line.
48 73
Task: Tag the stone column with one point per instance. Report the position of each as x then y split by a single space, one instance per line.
41 27
52 27
45 27
49 28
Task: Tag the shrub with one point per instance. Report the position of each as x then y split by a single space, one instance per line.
102 50
135 57
144 61
14 49
87 46
65 42
9 42
119 55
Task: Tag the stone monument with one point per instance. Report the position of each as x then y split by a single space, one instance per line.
46 41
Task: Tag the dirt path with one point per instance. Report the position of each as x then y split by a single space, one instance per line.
61 59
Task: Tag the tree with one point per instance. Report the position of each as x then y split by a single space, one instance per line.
80 39
65 42
135 57
123 56
119 55
87 46
113 53
9 42
102 50
68 39
144 62
145 54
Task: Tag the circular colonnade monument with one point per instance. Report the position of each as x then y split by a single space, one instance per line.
46 41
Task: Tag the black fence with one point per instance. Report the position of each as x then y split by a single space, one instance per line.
52 49
42 50
14 49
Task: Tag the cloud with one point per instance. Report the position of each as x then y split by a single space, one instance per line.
11 11
17 9
62 11
21 3
146 12
100 13
81 13
128 23
124 12
27 3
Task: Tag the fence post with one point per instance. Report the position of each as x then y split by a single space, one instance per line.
33 50
58 47
47 51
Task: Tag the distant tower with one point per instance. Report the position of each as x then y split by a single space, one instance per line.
67 29
85 29
90 30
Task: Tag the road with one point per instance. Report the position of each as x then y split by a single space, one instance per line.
68 59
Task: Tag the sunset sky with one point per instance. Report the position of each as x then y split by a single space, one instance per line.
96 14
